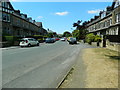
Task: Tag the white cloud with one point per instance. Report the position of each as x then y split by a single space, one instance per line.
39 17
61 13
94 11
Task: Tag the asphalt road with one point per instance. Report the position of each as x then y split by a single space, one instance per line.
38 67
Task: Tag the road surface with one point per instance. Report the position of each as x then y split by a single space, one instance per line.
38 67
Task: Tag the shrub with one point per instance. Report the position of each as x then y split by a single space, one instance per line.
97 38
10 39
38 36
90 38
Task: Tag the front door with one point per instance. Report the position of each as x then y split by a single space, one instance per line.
104 41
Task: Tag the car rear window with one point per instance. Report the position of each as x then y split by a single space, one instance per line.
22 40
72 38
30 39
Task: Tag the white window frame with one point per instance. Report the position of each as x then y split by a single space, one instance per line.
7 16
117 3
117 17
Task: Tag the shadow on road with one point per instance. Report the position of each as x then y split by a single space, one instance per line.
75 44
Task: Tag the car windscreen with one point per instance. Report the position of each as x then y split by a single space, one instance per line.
73 39
48 38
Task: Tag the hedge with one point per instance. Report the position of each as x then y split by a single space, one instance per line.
10 39
92 38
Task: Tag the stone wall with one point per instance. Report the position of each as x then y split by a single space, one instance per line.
109 45
113 46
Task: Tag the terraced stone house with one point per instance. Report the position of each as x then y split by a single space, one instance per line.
18 24
107 23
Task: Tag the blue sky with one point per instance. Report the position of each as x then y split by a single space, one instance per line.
59 16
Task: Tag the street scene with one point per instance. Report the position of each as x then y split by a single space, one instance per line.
45 69
55 45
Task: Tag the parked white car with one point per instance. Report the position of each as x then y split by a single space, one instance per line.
28 42
62 39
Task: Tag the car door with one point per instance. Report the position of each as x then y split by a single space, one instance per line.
34 41
31 41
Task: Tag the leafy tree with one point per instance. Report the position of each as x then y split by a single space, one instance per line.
77 25
76 33
67 34
55 34
82 31
60 35
50 35
79 34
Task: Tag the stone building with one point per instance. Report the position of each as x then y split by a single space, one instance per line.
18 24
107 25
108 22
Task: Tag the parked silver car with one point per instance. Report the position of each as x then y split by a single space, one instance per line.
50 40
28 42
72 40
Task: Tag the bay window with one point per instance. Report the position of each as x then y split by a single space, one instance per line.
117 17
6 17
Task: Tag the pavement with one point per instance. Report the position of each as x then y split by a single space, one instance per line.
12 47
15 47
94 69
76 77
43 66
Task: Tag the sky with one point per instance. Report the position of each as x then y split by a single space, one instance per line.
60 16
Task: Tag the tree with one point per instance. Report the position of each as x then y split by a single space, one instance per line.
55 34
82 31
67 34
79 34
50 35
60 35
77 25
76 34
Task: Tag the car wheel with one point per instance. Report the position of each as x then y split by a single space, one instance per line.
21 46
29 45
37 44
